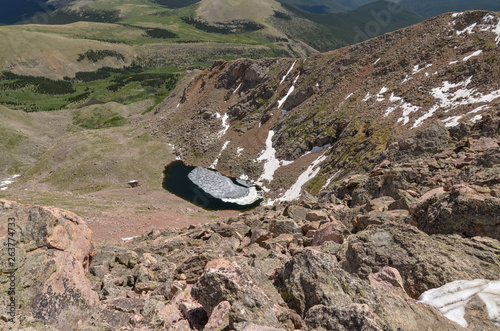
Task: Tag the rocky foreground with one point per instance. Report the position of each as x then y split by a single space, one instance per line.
357 257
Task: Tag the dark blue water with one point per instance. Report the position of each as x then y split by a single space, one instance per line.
176 181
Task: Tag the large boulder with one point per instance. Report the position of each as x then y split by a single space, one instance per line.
423 261
249 302
329 298
52 255
466 209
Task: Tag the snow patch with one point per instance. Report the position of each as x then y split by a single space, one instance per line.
450 95
408 108
452 121
476 53
129 238
417 69
367 97
476 118
214 164
469 29
292 88
293 192
377 61
225 124
317 149
394 98
237 88
5 183
271 162
329 180
452 298
455 15
289 70
380 96
239 150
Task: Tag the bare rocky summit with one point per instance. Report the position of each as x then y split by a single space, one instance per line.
403 202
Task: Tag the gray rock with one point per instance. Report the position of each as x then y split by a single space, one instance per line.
423 261
284 226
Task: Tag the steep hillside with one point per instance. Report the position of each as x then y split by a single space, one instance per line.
333 114
368 21
317 6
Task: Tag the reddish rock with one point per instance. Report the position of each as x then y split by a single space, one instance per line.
317 215
216 264
219 320
53 273
331 231
387 276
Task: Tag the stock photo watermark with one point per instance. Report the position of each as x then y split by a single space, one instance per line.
10 272
381 19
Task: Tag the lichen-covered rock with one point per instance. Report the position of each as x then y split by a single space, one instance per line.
423 261
466 209
249 302
53 252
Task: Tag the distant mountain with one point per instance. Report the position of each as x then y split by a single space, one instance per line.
317 6
15 11
430 8
368 21
425 8
20 10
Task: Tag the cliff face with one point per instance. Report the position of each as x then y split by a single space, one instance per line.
353 102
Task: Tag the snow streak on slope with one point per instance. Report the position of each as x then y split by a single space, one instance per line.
271 162
452 298
214 164
5 183
292 88
450 95
294 192
225 124
289 70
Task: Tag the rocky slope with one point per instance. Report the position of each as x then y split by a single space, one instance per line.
356 102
